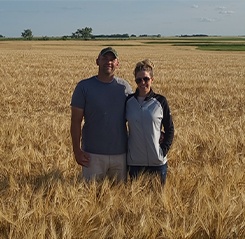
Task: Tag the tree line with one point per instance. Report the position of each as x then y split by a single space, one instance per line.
84 33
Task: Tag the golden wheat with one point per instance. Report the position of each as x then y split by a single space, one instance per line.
41 192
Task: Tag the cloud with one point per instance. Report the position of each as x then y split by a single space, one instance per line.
222 10
226 12
206 19
194 6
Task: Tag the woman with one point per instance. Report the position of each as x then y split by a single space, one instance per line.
150 125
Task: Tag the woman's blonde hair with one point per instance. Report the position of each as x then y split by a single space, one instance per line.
145 65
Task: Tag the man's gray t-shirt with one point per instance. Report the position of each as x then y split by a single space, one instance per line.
104 130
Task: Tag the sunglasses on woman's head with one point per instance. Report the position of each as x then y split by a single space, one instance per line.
145 79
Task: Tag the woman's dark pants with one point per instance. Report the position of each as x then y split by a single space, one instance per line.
161 170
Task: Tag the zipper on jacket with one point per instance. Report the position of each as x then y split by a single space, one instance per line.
143 127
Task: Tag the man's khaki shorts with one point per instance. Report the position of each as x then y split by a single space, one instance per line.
101 166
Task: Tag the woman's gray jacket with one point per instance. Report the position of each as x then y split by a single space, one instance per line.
146 122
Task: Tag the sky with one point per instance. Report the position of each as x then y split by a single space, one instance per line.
138 17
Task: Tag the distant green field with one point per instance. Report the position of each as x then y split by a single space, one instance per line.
209 44
224 47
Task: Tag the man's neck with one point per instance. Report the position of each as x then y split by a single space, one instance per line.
105 78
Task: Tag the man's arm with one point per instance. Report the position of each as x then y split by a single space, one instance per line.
81 157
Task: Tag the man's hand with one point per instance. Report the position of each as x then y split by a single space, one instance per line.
82 158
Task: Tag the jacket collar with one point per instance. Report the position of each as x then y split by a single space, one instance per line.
148 96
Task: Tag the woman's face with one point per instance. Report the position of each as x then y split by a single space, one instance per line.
143 81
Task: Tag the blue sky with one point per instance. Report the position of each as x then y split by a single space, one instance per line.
151 17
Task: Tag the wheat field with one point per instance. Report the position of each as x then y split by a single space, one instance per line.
42 194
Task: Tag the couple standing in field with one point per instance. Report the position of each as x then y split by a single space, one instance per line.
104 147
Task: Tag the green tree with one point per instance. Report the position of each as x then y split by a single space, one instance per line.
87 33
84 33
27 34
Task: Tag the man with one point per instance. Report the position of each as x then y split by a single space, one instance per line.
100 101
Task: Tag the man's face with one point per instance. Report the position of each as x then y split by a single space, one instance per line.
107 63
